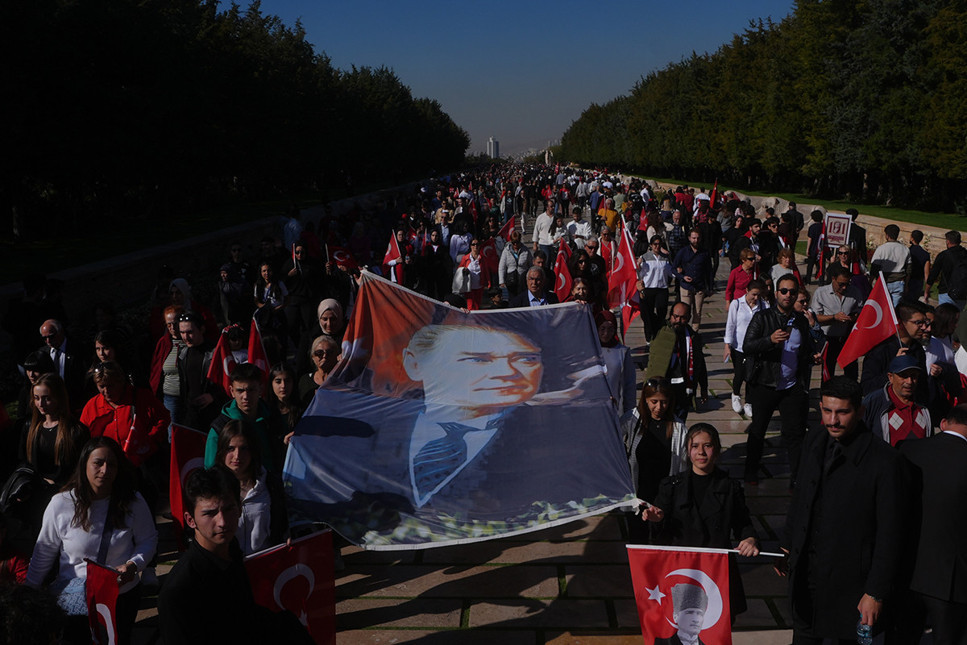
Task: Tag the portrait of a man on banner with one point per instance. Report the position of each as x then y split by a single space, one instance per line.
443 426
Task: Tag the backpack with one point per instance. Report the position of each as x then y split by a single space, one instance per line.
957 283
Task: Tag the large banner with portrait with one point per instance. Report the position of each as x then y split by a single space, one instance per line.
440 426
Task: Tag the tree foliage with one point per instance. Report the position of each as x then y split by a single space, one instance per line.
141 106
866 98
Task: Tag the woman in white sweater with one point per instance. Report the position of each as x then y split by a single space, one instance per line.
740 314
98 516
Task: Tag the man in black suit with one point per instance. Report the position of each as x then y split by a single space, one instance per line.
535 296
844 530
67 361
938 587
476 448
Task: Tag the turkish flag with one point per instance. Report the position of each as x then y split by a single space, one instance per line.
393 253
342 256
222 365
630 311
624 275
562 279
508 228
488 250
187 454
872 327
256 351
682 590
300 578
101 589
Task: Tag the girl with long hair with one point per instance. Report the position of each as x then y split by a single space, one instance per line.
97 516
284 397
262 522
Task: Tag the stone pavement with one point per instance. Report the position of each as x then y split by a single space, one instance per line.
564 585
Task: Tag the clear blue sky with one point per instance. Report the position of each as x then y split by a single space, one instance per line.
521 71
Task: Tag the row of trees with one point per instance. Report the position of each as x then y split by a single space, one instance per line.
134 105
866 98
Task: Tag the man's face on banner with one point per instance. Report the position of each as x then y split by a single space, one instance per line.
689 621
477 368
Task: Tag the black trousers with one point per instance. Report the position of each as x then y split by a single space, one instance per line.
738 371
654 308
948 619
835 347
793 405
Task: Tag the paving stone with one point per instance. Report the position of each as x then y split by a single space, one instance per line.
448 582
535 552
560 613
598 581
770 637
445 637
353 555
569 638
756 616
626 612
361 613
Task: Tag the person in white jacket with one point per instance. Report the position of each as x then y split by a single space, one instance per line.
654 274
741 311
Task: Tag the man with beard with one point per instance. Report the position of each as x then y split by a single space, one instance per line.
845 527
779 353
676 354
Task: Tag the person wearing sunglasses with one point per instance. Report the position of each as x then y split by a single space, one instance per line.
780 353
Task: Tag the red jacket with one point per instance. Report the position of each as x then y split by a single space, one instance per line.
138 424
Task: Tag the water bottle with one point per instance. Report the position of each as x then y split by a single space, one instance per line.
864 633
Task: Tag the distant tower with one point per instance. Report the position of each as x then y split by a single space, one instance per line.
493 148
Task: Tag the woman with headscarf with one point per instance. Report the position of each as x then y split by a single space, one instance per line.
332 323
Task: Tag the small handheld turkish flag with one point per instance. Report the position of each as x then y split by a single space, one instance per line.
682 593
101 589
562 276
876 322
187 454
300 578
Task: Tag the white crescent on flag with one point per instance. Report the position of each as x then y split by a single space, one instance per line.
293 572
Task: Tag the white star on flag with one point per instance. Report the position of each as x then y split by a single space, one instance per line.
655 594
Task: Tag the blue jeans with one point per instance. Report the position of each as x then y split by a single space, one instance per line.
896 291
944 298
172 404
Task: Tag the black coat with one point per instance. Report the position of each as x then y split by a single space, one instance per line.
763 356
940 567
721 516
522 299
852 518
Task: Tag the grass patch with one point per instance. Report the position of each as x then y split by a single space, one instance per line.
925 218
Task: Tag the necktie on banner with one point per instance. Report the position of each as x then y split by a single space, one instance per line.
187 454
624 275
876 322
683 593
299 578
101 589
223 364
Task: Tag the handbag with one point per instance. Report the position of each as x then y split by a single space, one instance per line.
18 489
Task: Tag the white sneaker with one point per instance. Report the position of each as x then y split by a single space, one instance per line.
748 410
737 404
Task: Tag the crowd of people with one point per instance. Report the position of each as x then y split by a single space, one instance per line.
85 461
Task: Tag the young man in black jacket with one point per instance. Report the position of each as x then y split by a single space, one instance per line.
780 354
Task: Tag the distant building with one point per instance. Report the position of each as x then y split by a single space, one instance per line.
493 148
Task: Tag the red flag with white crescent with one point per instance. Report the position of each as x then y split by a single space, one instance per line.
101 590
562 275
682 592
488 250
342 257
256 351
624 275
223 364
508 228
299 578
876 322
187 454
824 353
